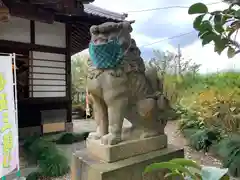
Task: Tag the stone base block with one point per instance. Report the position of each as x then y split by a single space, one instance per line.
69 127
87 167
125 149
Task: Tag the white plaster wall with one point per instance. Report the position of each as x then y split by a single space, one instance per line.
62 78
50 34
16 29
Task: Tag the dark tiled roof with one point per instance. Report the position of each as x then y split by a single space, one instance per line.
94 10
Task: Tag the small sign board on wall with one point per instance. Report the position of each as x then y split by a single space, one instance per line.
9 155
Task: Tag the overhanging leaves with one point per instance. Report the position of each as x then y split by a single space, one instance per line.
206 26
217 19
197 22
231 52
237 13
208 37
219 27
219 47
198 8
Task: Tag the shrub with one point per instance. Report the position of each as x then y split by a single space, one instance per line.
189 132
51 162
34 176
190 120
220 108
29 141
229 150
69 138
54 165
41 148
204 139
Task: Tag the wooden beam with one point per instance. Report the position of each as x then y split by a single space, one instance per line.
83 18
33 47
31 12
68 71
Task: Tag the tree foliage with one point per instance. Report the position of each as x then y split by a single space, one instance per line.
172 69
171 63
220 27
79 75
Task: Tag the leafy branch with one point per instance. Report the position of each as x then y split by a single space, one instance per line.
181 168
219 27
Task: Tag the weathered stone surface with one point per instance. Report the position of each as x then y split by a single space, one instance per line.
125 149
126 90
87 167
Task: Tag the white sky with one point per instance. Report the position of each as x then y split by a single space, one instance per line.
210 60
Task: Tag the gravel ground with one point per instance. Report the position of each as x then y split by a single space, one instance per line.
174 137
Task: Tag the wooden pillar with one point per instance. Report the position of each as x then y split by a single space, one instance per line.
68 72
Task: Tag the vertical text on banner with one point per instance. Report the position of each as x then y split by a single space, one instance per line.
8 129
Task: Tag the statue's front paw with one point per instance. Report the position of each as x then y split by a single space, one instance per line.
94 135
111 139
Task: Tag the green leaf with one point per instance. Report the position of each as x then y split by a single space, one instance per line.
168 165
197 8
206 26
224 19
229 11
197 22
217 19
202 34
230 52
225 177
186 162
237 13
220 45
208 37
205 41
219 28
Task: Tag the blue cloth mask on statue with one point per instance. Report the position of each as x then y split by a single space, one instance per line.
107 55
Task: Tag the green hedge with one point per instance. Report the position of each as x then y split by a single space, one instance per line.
50 159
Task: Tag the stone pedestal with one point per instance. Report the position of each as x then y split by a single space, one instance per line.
125 149
125 161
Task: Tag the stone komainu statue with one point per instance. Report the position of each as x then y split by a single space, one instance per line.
121 87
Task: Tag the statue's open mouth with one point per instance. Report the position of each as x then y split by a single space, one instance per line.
100 41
